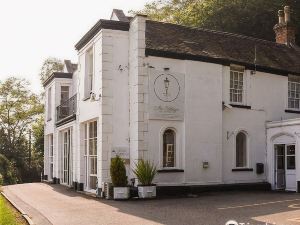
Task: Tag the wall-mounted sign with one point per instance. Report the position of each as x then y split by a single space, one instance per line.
166 92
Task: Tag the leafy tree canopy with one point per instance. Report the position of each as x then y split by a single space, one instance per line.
19 110
49 66
248 17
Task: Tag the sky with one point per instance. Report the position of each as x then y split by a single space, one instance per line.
33 30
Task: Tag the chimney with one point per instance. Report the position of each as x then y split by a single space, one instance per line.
285 31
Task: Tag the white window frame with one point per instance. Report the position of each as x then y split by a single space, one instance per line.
87 139
239 70
247 149
49 104
176 154
289 95
89 72
51 155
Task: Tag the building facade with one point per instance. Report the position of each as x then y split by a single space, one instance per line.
198 103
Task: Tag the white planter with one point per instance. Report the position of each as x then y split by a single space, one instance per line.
121 193
147 191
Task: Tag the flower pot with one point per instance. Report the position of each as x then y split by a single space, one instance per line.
147 191
121 193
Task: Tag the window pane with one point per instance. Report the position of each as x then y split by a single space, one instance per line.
93 180
169 148
241 152
290 162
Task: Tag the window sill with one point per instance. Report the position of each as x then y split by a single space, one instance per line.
242 169
170 171
292 111
240 106
86 98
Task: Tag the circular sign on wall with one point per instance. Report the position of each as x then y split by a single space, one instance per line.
166 87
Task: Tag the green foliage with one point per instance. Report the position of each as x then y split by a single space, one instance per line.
145 172
118 172
20 109
49 66
7 171
247 17
1 179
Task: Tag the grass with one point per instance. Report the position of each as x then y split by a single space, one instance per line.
8 214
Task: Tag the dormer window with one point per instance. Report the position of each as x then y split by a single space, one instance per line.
89 72
236 85
294 92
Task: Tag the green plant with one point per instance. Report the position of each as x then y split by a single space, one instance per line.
1 179
118 172
145 172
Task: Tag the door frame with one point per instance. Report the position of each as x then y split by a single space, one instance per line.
285 163
68 133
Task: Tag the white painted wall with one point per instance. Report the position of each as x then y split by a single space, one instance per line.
121 76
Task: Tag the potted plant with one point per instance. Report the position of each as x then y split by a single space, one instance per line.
119 178
145 173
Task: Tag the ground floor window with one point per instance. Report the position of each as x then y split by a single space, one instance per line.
50 142
90 154
241 150
169 148
67 157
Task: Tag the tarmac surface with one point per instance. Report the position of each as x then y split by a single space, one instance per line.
55 204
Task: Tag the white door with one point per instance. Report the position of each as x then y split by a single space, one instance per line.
67 163
290 171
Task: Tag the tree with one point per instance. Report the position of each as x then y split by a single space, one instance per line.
19 110
49 66
247 17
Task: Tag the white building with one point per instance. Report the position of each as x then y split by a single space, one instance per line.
196 102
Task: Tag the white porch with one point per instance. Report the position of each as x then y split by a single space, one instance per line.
283 154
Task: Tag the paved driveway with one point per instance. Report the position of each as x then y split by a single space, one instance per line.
55 204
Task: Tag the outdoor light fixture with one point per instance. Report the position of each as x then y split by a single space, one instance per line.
167 83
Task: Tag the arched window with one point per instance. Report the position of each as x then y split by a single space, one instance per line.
169 147
241 149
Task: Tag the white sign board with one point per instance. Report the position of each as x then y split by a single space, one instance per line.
166 95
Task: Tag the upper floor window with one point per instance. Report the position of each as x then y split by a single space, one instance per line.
49 105
169 145
89 72
64 93
241 150
294 92
236 84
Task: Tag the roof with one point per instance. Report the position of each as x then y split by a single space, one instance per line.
101 24
57 75
181 42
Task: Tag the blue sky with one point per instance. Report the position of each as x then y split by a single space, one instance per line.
33 30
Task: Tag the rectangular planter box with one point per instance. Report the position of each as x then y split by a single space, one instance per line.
121 193
147 191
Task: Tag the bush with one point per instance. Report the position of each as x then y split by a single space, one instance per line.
145 172
8 171
1 179
118 172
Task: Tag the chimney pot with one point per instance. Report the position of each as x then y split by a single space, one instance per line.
287 14
281 16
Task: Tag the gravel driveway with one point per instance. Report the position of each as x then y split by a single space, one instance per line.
55 204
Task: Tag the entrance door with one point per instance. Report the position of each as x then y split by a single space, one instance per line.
67 172
285 167
280 166
291 184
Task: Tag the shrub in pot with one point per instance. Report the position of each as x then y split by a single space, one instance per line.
119 178
145 172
